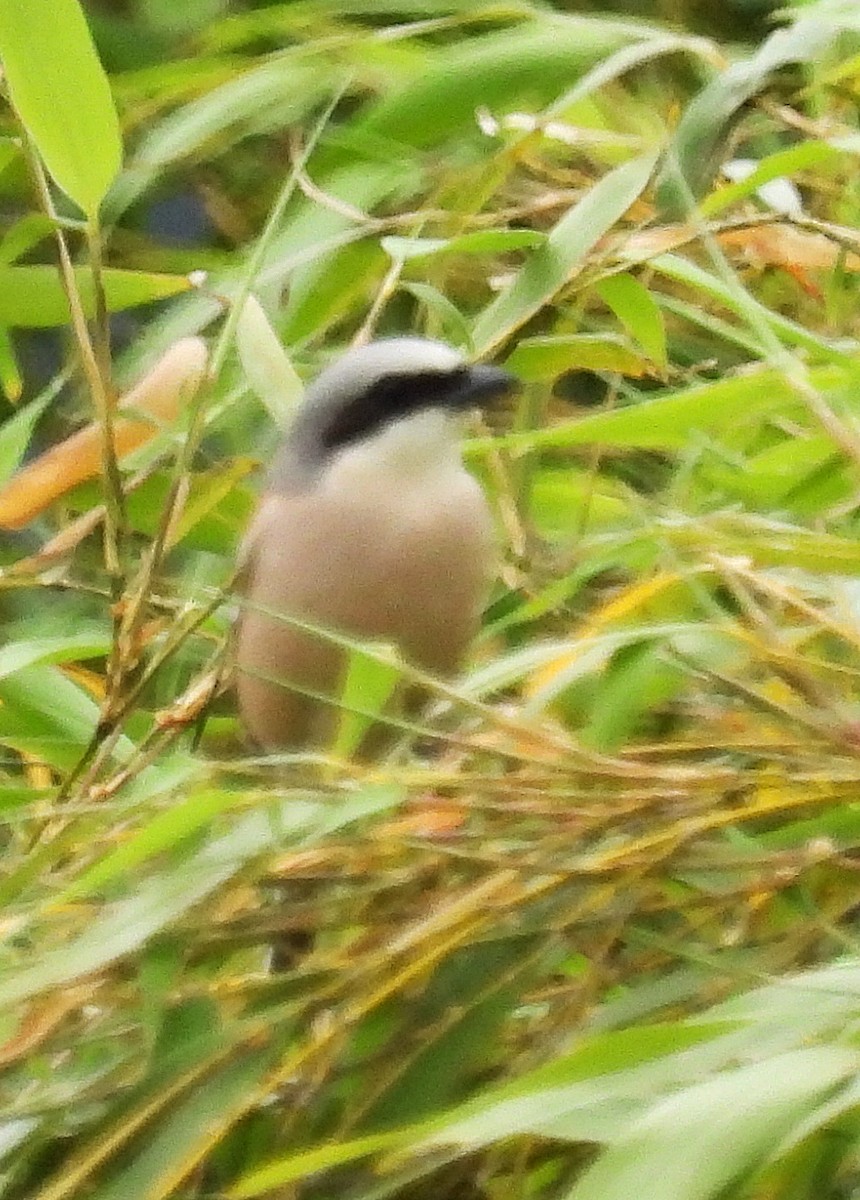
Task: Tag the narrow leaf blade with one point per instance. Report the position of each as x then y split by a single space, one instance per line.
62 95
552 264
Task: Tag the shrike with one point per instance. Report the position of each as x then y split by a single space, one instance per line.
370 526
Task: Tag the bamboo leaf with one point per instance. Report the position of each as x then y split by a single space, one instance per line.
553 264
33 296
264 360
668 422
546 358
734 1121
638 312
62 95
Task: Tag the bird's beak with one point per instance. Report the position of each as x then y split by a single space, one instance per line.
481 384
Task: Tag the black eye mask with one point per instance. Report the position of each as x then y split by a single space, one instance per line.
396 396
389 399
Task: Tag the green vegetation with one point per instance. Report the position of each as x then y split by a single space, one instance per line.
589 931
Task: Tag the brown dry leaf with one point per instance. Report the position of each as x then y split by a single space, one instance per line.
630 602
60 547
157 398
301 863
433 817
37 773
40 1021
639 247
795 250
189 706
90 681
767 245
536 737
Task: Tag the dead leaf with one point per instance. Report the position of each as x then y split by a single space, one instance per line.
792 249
155 401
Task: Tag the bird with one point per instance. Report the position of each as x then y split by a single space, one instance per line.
369 525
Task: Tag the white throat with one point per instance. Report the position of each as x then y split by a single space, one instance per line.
407 454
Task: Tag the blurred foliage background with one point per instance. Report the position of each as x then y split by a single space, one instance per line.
589 930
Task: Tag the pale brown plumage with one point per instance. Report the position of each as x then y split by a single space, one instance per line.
370 526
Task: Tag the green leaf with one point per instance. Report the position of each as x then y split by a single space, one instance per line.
770 543
187 19
565 500
182 1133
474 988
638 312
15 434
587 1088
782 163
368 687
164 831
72 647
483 241
331 286
322 278
682 270
637 680
452 322
262 1180
24 235
62 95
668 422
278 93
807 1003
712 326
266 364
33 297
548 357
695 1143
13 1133
10 374
211 493
694 155
44 714
553 264
162 897
771 478
589 1094
535 58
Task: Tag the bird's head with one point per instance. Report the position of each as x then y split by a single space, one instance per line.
389 393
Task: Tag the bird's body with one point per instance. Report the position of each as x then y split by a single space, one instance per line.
381 534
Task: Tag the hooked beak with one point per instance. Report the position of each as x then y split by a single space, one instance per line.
481 384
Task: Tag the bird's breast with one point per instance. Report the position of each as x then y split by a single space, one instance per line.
409 564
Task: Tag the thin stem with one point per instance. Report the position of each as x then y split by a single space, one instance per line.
96 379
293 181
